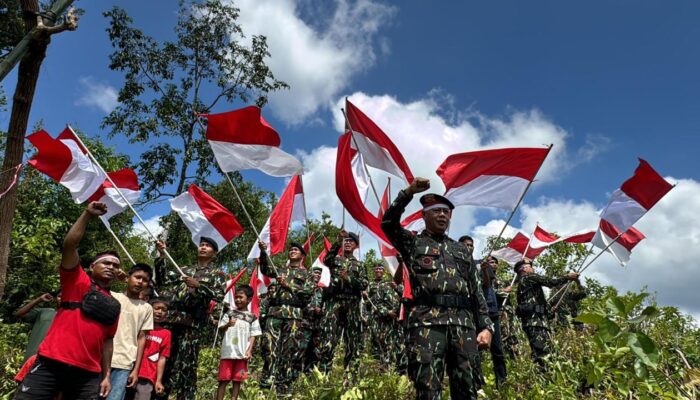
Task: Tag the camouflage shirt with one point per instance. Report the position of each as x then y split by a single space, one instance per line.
437 266
357 274
383 299
288 302
530 294
189 306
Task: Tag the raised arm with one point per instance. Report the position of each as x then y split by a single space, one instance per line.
70 257
264 261
22 311
391 222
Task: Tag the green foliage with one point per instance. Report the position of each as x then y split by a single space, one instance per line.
13 338
11 26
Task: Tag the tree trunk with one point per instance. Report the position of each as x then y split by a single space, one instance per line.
28 74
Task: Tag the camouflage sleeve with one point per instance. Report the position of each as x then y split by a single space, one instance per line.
546 281
330 258
265 267
481 309
212 286
579 293
359 281
306 291
165 276
401 238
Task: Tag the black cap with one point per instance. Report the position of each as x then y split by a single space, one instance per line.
518 265
431 198
298 246
211 242
379 265
354 237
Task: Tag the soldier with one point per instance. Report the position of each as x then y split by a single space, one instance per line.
533 308
284 316
342 307
569 305
490 286
384 306
448 306
189 298
313 317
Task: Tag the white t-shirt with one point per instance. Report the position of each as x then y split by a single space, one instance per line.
136 316
235 342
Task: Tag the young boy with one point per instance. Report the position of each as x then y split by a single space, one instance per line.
240 327
155 355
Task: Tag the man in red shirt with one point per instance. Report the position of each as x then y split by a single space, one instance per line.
78 348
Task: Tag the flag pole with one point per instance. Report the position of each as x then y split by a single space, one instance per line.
119 242
512 213
94 160
512 282
306 218
221 314
364 165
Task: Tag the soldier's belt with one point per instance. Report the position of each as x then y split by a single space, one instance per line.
290 303
447 301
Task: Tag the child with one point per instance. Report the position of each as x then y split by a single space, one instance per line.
155 354
240 327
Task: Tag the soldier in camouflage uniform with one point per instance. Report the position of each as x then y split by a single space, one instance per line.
383 306
189 299
342 313
508 329
284 329
533 308
313 318
568 307
448 306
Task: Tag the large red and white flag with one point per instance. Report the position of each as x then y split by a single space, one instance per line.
541 239
65 161
242 139
127 182
288 210
621 248
204 216
490 178
635 197
388 252
375 146
325 280
414 222
513 252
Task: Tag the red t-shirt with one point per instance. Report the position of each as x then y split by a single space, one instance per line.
73 338
157 346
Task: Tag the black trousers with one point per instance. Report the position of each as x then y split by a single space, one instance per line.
497 354
48 377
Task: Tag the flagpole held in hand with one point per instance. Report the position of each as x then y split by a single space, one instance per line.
128 203
119 242
524 256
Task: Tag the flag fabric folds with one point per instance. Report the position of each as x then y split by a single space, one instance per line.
388 253
621 248
374 145
242 139
490 178
204 216
65 161
127 182
541 239
325 280
513 252
230 291
414 222
635 197
288 210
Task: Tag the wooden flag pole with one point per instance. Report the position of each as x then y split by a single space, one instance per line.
119 242
308 227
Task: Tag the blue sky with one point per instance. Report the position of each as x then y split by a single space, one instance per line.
606 81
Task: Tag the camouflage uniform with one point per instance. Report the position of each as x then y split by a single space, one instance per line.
383 328
447 305
534 312
284 330
508 331
342 311
187 320
312 323
568 306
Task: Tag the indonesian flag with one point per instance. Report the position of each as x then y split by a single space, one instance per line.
65 161
127 182
375 146
414 222
490 178
204 216
349 176
258 285
407 292
307 244
230 291
242 139
541 238
290 209
621 248
389 253
635 197
325 280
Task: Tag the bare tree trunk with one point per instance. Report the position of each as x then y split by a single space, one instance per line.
28 74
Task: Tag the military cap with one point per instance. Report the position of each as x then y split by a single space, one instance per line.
379 265
354 237
316 268
518 265
431 199
211 242
298 246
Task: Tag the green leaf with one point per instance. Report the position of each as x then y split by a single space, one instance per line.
648 313
640 370
644 348
621 351
607 329
617 306
590 318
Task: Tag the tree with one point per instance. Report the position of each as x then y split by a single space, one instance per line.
167 85
28 74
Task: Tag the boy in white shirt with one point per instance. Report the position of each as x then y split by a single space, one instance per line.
240 327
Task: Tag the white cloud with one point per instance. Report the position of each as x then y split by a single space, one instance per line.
97 94
317 59
153 225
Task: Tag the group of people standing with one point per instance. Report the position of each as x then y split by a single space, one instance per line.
148 339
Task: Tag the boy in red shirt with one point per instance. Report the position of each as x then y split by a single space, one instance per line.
155 355
78 346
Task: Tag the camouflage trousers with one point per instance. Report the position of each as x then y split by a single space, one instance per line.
180 376
314 340
540 343
342 318
431 350
385 342
285 342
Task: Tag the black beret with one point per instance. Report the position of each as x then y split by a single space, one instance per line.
518 265
211 242
432 198
298 246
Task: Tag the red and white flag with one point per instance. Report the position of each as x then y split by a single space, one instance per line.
635 197
490 178
414 222
259 287
325 280
513 252
375 146
65 161
388 252
541 238
621 248
204 216
290 209
242 139
127 182
230 291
